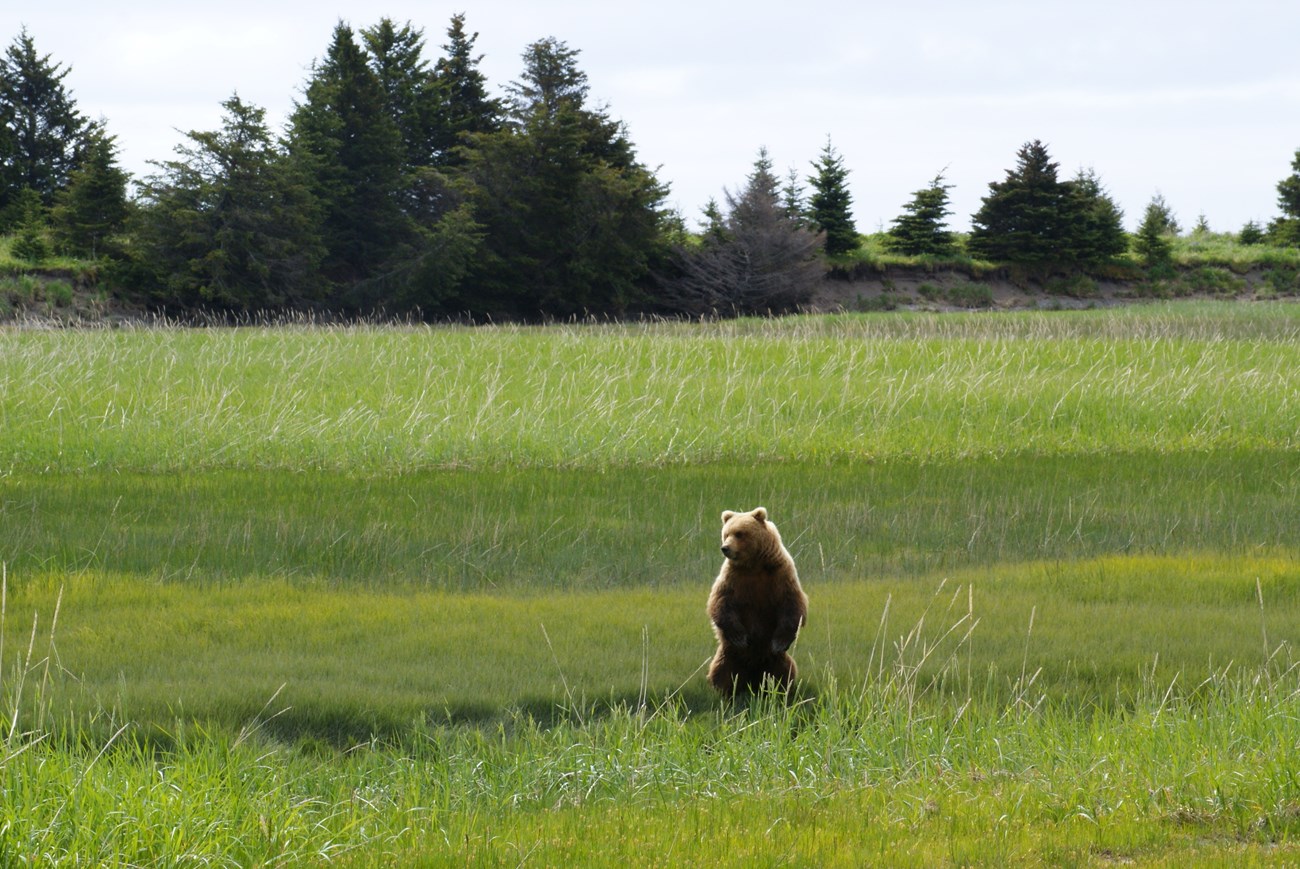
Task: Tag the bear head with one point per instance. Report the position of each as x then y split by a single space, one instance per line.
748 537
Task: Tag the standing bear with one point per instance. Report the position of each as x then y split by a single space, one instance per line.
756 605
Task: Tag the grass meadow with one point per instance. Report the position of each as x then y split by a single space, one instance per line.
386 595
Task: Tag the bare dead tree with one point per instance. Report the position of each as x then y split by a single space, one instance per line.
755 260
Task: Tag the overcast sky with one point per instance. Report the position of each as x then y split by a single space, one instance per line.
1199 101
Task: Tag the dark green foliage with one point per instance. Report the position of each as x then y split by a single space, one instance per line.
830 206
231 224
447 242
1283 280
1032 218
551 81
756 259
1288 190
793 198
396 57
44 132
570 220
93 207
462 106
1162 216
344 139
1251 233
30 244
922 229
1151 242
1095 223
1285 230
1020 220
714 224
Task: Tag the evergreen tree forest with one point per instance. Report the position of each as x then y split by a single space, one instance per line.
401 185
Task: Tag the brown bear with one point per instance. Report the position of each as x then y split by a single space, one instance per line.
756 605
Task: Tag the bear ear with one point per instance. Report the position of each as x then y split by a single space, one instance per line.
726 515
760 513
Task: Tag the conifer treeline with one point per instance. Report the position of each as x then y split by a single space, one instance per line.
401 185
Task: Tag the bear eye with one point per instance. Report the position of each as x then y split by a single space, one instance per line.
739 535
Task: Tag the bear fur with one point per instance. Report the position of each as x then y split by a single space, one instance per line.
756 605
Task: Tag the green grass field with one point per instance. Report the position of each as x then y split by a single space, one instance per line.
433 596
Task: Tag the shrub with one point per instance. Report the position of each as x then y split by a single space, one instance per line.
971 295
30 245
1251 233
1075 287
1212 279
1282 281
59 293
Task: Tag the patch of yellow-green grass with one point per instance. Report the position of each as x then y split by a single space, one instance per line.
343 665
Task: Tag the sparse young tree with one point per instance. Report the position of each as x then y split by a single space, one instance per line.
1152 240
922 229
1251 233
756 259
793 198
1162 215
830 206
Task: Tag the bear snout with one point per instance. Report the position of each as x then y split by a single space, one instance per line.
726 551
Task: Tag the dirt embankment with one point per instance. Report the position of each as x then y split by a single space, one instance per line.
943 289
58 299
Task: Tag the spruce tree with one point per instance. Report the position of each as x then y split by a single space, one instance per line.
1021 220
45 131
922 229
93 207
343 137
1094 224
463 106
1151 242
571 221
1251 233
1285 230
230 223
830 205
1162 215
29 244
397 59
793 198
551 81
